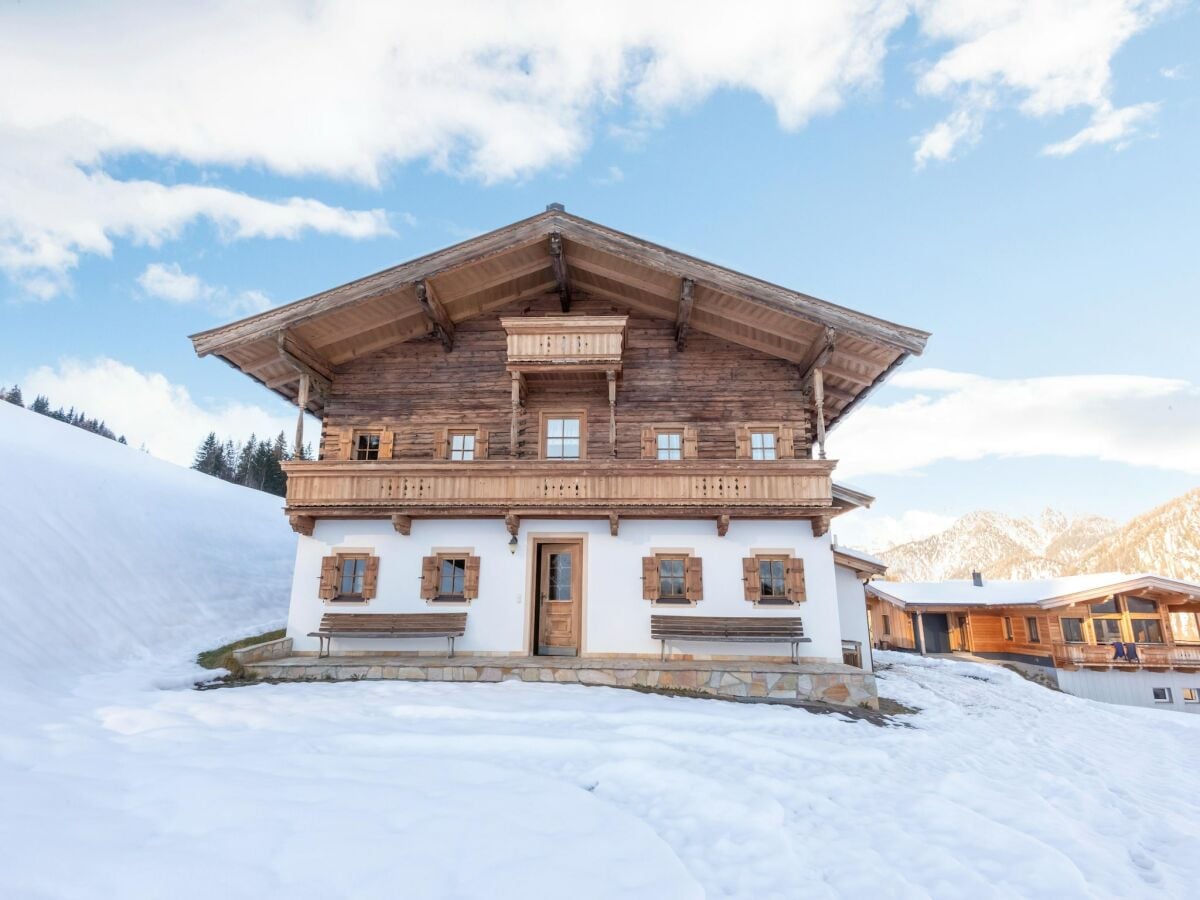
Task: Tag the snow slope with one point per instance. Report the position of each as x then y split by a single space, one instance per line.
113 558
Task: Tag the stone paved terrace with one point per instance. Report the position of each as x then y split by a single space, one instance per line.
806 681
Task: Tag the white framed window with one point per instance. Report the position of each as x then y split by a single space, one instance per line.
1162 695
462 445
669 445
563 437
763 445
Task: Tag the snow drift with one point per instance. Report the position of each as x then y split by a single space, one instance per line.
113 559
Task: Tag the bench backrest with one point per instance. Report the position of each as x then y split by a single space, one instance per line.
717 627
397 623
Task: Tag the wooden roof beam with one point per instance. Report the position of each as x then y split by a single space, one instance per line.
558 261
439 320
819 356
684 317
304 360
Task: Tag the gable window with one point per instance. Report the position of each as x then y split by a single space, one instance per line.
1140 605
349 577
366 445
773 579
462 445
563 437
669 445
672 578
451 576
762 445
1072 630
1162 695
1008 632
1031 627
1186 627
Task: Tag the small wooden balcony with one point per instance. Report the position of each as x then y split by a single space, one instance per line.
557 344
694 488
1155 657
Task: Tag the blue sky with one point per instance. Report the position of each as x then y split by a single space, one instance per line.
1025 265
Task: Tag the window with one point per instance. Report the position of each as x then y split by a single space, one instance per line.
1191 695
1162 695
1146 631
887 624
672 577
1073 631
669 445
772 579
671 587
1008 632
1186 627
1108 606
452 577
366 445
462 445
762 445
350 577
1108 631
1140 605
563 438
1031 627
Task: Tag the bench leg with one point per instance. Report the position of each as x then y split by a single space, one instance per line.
662 654
796 652
322 645
451 640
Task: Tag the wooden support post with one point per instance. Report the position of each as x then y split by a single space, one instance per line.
612 410
402 524
684 316
722 525
518 400
304 360
435 314
614 523
558 261
302 402
818 392
920 633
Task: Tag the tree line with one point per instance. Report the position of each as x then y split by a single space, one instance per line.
252 463
80 419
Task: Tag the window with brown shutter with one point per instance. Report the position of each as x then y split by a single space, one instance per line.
669 442
450 577
366 445
765 441
329 578
649 578
349 577
460 444
429 577
773 579
694 579
672 578
750 578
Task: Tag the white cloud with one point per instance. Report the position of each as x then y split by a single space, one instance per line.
863 529
148 409
612 175
1048 56
1174 73
167 281
488 90
1137 420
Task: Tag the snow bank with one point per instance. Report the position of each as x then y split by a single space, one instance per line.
113 559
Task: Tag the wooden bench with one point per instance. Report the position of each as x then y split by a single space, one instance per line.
767 629
389 625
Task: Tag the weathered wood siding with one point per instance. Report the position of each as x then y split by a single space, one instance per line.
987 633
416 388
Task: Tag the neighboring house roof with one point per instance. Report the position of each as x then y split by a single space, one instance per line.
1044 593
862 563
558 252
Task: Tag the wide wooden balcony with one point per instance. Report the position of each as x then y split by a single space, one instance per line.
1149 656
694 488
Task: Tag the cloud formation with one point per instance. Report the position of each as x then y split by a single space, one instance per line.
1132 419
486 90
148 409
167 281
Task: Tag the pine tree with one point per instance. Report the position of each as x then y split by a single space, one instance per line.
12 395
206 456
40 405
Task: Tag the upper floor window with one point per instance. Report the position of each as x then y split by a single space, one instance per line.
669 445
762 445
1186 627
563 438
1031 628
765 441
366 445
1008 631
1072 630
462 445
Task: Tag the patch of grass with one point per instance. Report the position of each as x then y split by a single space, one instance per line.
222 657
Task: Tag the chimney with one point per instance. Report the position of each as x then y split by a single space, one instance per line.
555 207
977 579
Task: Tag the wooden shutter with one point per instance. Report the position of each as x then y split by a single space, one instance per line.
429 577
386 440
742 442
370 578
693 579
690 444
649 444
329 577
795 580
345 443
441 443
481 443
751 578
471 581
650 588
786 445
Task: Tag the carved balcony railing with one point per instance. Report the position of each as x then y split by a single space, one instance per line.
539 344
1149 656
695 488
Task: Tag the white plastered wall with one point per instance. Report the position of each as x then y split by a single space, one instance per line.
1130 688
852 611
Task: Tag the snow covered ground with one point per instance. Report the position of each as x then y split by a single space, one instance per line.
114 787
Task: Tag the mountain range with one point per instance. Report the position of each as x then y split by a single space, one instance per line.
1165 540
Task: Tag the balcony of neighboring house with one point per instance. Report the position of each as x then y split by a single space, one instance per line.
1128 656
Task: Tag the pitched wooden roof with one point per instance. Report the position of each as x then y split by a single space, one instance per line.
557 251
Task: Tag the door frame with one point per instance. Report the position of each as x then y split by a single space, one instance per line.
533 542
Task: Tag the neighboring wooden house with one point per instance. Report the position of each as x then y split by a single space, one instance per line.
1131 639
579 441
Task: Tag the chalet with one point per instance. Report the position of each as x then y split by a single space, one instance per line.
559 452
1132 639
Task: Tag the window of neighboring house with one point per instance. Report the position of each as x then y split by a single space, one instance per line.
1162 695
462 445
1008 632
1191 695
887 624
772 579
1072 630
562 438
351 571
1146 631
452 577
669 445
1107 631
1031 627
762 445
672 587
1140 605
1107 607
366 445
1186 627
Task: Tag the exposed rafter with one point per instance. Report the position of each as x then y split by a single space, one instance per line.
435 313
683 318
820 355
558 261
304 360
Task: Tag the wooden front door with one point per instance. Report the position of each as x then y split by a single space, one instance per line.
560 574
